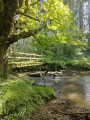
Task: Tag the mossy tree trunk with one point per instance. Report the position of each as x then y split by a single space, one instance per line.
3 59
8 9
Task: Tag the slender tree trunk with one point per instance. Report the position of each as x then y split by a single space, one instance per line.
89 15
3 59
80 15
88 37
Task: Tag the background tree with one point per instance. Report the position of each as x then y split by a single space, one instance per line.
81 12
59 44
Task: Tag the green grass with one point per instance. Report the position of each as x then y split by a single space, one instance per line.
19 98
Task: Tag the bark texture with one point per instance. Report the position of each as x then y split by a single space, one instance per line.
88 37
8 8
3 59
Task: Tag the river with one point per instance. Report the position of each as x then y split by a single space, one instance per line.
71 85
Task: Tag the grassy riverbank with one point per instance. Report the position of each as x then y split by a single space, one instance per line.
19 98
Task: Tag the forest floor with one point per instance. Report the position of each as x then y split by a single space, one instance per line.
60 109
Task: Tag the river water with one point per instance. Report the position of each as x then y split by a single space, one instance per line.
71 85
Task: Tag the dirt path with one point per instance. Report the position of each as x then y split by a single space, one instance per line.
61 109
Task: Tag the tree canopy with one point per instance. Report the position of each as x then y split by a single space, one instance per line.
24 18
35 16
52 15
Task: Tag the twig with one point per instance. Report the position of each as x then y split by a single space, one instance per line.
35 3
21 13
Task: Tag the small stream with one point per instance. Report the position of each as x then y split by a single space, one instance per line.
71 85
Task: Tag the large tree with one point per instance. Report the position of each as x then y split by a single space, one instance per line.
24 18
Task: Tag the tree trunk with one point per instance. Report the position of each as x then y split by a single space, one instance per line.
8 9
80 15
89 14
3 59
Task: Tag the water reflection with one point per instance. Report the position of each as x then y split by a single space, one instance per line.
87 89
75 87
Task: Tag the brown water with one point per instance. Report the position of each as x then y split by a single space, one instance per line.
72 85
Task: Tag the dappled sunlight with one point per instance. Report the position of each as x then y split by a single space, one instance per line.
74 77
12 79
70 87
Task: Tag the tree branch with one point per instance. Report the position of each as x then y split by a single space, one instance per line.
21 13
34 3
25 34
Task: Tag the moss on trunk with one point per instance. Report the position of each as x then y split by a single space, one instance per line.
3 59
8 9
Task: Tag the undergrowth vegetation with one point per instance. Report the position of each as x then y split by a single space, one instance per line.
79 62
19 99
66 65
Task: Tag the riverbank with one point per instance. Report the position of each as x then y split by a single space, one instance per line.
19 98
60 109
73 85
